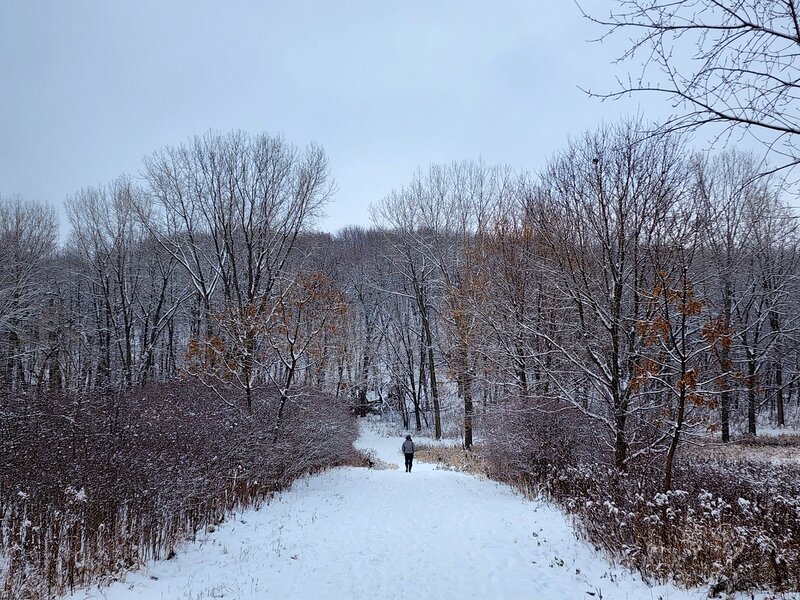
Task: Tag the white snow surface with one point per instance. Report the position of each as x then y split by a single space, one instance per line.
363 533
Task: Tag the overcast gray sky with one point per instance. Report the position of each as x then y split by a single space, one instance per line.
89 87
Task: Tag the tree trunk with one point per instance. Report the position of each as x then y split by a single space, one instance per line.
751 395
620 441
673 445
467 392
437 417
290 371
725 363
362 386
247 370
779 393
778 368
725 415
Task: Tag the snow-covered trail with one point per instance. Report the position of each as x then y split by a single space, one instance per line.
357 533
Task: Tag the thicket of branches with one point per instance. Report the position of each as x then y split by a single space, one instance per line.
728 66
730 525
95 483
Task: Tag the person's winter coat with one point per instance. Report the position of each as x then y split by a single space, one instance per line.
408 447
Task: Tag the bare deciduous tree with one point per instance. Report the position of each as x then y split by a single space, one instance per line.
439 216
421 279
748 239
27 241
607 195
128 278
229 208
732 63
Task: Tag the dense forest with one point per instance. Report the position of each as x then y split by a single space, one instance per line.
642 285
629 301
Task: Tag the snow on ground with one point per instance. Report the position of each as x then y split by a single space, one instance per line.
372 534
773 430
760 449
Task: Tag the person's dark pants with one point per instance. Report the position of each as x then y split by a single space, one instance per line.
409 460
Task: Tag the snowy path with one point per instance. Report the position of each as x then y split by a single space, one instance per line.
358 533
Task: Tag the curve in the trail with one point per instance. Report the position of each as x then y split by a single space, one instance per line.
372 534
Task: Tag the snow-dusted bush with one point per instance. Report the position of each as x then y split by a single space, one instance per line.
735 525
732 524
93 485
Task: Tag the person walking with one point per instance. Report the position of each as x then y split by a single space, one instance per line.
408 450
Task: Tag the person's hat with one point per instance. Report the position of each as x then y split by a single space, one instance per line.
408 437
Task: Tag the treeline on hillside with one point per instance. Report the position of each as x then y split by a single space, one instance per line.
641 290
630 278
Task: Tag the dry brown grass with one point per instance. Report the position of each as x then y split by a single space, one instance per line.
784 440
452 458
779 449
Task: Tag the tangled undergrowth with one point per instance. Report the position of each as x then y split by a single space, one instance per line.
731 525
95 485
